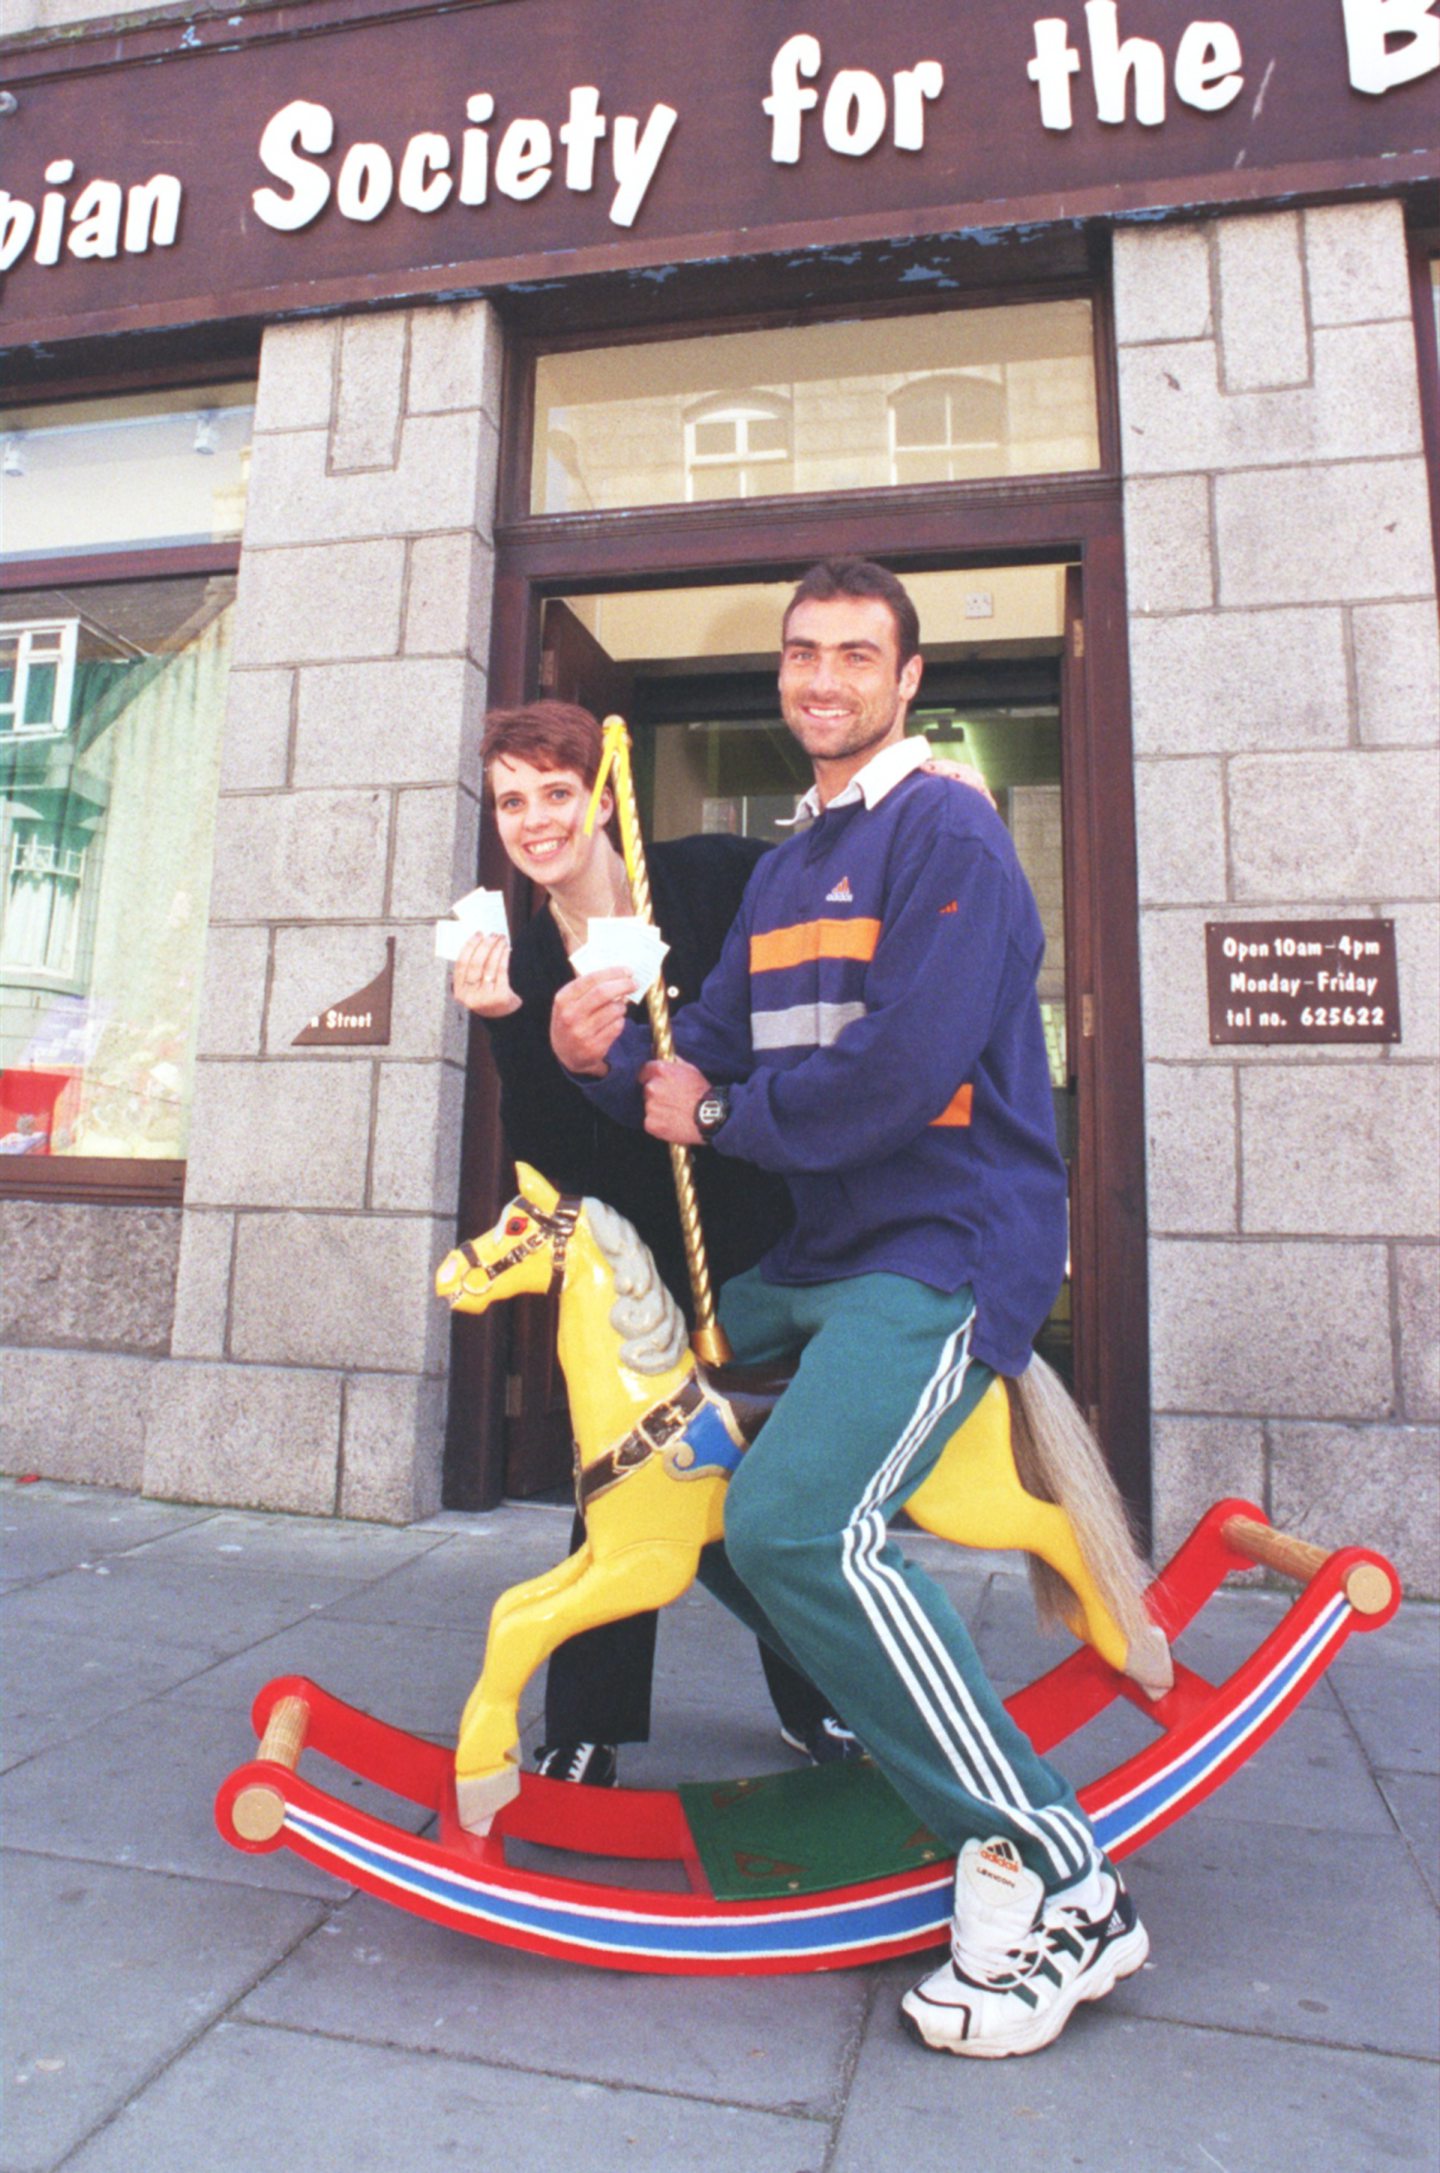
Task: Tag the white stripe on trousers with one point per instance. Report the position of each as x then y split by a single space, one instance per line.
915 1650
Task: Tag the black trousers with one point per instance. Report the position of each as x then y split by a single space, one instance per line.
597 1688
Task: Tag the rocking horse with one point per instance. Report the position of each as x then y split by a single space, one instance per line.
656 1439
817 1869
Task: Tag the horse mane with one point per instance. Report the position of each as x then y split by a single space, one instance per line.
651 1327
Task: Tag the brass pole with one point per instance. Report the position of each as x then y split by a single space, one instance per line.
708 1336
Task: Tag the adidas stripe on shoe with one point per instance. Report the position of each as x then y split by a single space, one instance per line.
828 1742
591 1765
1022 1962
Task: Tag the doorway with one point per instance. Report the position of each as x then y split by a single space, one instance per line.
691 666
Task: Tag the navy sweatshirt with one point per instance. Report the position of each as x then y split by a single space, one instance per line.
874 1014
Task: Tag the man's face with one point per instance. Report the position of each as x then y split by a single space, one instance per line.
843 690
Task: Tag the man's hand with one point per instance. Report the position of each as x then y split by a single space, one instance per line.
482 978
587 1017
673 1091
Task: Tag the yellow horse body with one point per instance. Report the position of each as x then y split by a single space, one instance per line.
655 1499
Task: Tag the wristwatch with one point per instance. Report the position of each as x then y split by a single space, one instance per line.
711 1111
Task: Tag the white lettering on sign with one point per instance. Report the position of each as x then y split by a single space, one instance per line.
103 217
857 105
1130 73
521 165
1377 61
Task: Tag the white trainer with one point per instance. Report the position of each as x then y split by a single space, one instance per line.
1020 1963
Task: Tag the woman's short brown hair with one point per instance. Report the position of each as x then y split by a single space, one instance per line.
547 735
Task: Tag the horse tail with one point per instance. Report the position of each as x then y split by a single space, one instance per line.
1058 1458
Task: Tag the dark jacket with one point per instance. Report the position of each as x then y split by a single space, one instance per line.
696 885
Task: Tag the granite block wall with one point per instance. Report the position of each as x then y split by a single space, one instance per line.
1286 685
306 1366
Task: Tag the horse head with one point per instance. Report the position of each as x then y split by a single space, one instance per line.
523 1251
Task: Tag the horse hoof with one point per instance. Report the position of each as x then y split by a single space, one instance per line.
480 1796
1148 1662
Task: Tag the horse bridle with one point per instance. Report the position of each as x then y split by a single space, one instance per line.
555 1230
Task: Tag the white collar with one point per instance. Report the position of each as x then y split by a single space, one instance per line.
881 774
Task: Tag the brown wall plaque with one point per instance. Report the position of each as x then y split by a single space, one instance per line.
235 165
1302 981
358 1021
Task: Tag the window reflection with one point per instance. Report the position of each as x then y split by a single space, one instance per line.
866 405
107 810
110 475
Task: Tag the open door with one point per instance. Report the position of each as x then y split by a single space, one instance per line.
1107 1225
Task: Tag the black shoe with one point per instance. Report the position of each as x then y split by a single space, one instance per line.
592 1764
826 1742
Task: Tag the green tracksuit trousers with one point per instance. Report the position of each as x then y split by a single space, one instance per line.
884 1378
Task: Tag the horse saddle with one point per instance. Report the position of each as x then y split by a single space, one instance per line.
752 1392
688 1430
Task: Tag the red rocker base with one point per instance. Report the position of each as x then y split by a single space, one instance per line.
746 1908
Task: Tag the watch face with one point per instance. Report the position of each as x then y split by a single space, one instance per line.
711 1111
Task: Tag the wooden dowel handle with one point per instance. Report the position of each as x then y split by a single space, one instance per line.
1367 1587
1261 1543
284 1736
258 1812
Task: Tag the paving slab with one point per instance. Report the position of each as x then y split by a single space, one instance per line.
1121 2092
112 1973
55 1685
373 1973
248 1540
1409 1639
139 1791
1287 2019
458 1579
187 1607
1415 1805
1297 1934
1395 1713
45 1528
412 1676
329 2107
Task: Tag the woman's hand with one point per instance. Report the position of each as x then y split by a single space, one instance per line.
586 1019
482 978
959 773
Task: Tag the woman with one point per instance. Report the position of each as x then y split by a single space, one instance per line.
540 764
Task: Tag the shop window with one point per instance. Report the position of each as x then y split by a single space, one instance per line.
737 449
942 396
112 695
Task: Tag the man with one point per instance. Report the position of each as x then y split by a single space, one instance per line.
871 1031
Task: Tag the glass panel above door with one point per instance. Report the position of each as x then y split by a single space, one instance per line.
873 404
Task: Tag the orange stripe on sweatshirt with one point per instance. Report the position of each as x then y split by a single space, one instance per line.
957 1111
809 940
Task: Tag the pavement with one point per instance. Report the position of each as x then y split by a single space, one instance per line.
177 2007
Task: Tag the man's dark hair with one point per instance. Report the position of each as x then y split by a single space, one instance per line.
832 577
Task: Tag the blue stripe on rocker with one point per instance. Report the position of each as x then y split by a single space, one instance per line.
1113 1825
812 1931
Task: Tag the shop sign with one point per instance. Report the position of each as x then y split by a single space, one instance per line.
341 151
1302 981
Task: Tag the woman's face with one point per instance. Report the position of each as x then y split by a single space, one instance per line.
540 815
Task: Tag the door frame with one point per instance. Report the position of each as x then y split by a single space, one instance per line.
1076 522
